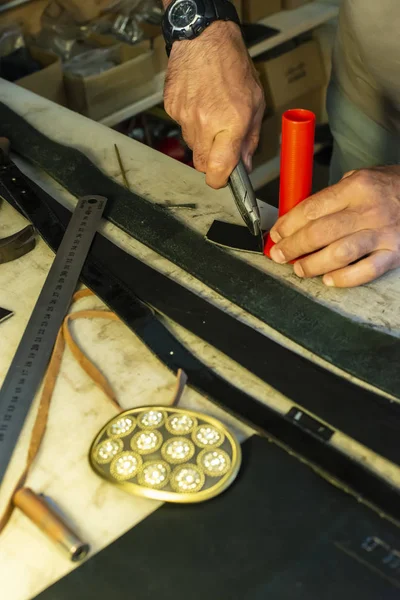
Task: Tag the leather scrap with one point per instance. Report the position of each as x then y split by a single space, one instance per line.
360 350
232 236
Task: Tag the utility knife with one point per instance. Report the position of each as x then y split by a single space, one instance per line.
245 199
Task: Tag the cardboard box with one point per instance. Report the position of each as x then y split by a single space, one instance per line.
100 95
313 100
154 37
255 10
48 82
160 58
270 134
292 74
291 4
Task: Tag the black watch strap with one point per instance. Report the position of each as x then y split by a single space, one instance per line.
215 10
223 9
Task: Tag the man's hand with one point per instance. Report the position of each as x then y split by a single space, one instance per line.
352 229
212 90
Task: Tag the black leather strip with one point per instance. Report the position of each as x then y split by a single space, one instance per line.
101 275
362 351
279 533
367 417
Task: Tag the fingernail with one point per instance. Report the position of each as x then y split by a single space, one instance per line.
277 256
274 235
298 269
328 280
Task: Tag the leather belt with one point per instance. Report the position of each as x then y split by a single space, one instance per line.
114 286
366 353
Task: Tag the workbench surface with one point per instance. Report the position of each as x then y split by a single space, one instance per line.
28 563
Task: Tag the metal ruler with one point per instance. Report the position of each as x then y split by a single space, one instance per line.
33 353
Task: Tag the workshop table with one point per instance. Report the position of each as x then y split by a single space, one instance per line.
28 563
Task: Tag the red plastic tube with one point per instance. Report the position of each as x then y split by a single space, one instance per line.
297 157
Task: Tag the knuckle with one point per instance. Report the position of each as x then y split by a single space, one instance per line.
345 252
183 116
313 208
280 228
374 213
379 210
259 96
364 178
186 134
253 142
170 107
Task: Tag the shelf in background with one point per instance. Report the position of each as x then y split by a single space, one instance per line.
138 107
290 23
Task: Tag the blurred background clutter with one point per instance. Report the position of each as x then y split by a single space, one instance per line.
106 59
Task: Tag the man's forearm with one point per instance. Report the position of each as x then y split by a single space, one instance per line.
213 92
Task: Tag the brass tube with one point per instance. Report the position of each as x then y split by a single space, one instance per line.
39 511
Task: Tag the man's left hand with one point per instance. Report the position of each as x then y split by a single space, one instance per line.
350 231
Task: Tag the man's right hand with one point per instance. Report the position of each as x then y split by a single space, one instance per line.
212 90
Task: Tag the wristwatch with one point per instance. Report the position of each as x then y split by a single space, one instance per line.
187 19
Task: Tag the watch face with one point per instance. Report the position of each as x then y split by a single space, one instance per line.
183 14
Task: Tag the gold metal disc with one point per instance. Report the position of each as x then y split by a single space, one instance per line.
168 454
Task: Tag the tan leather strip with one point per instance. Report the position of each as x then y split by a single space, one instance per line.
64 336
39 426
95 375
